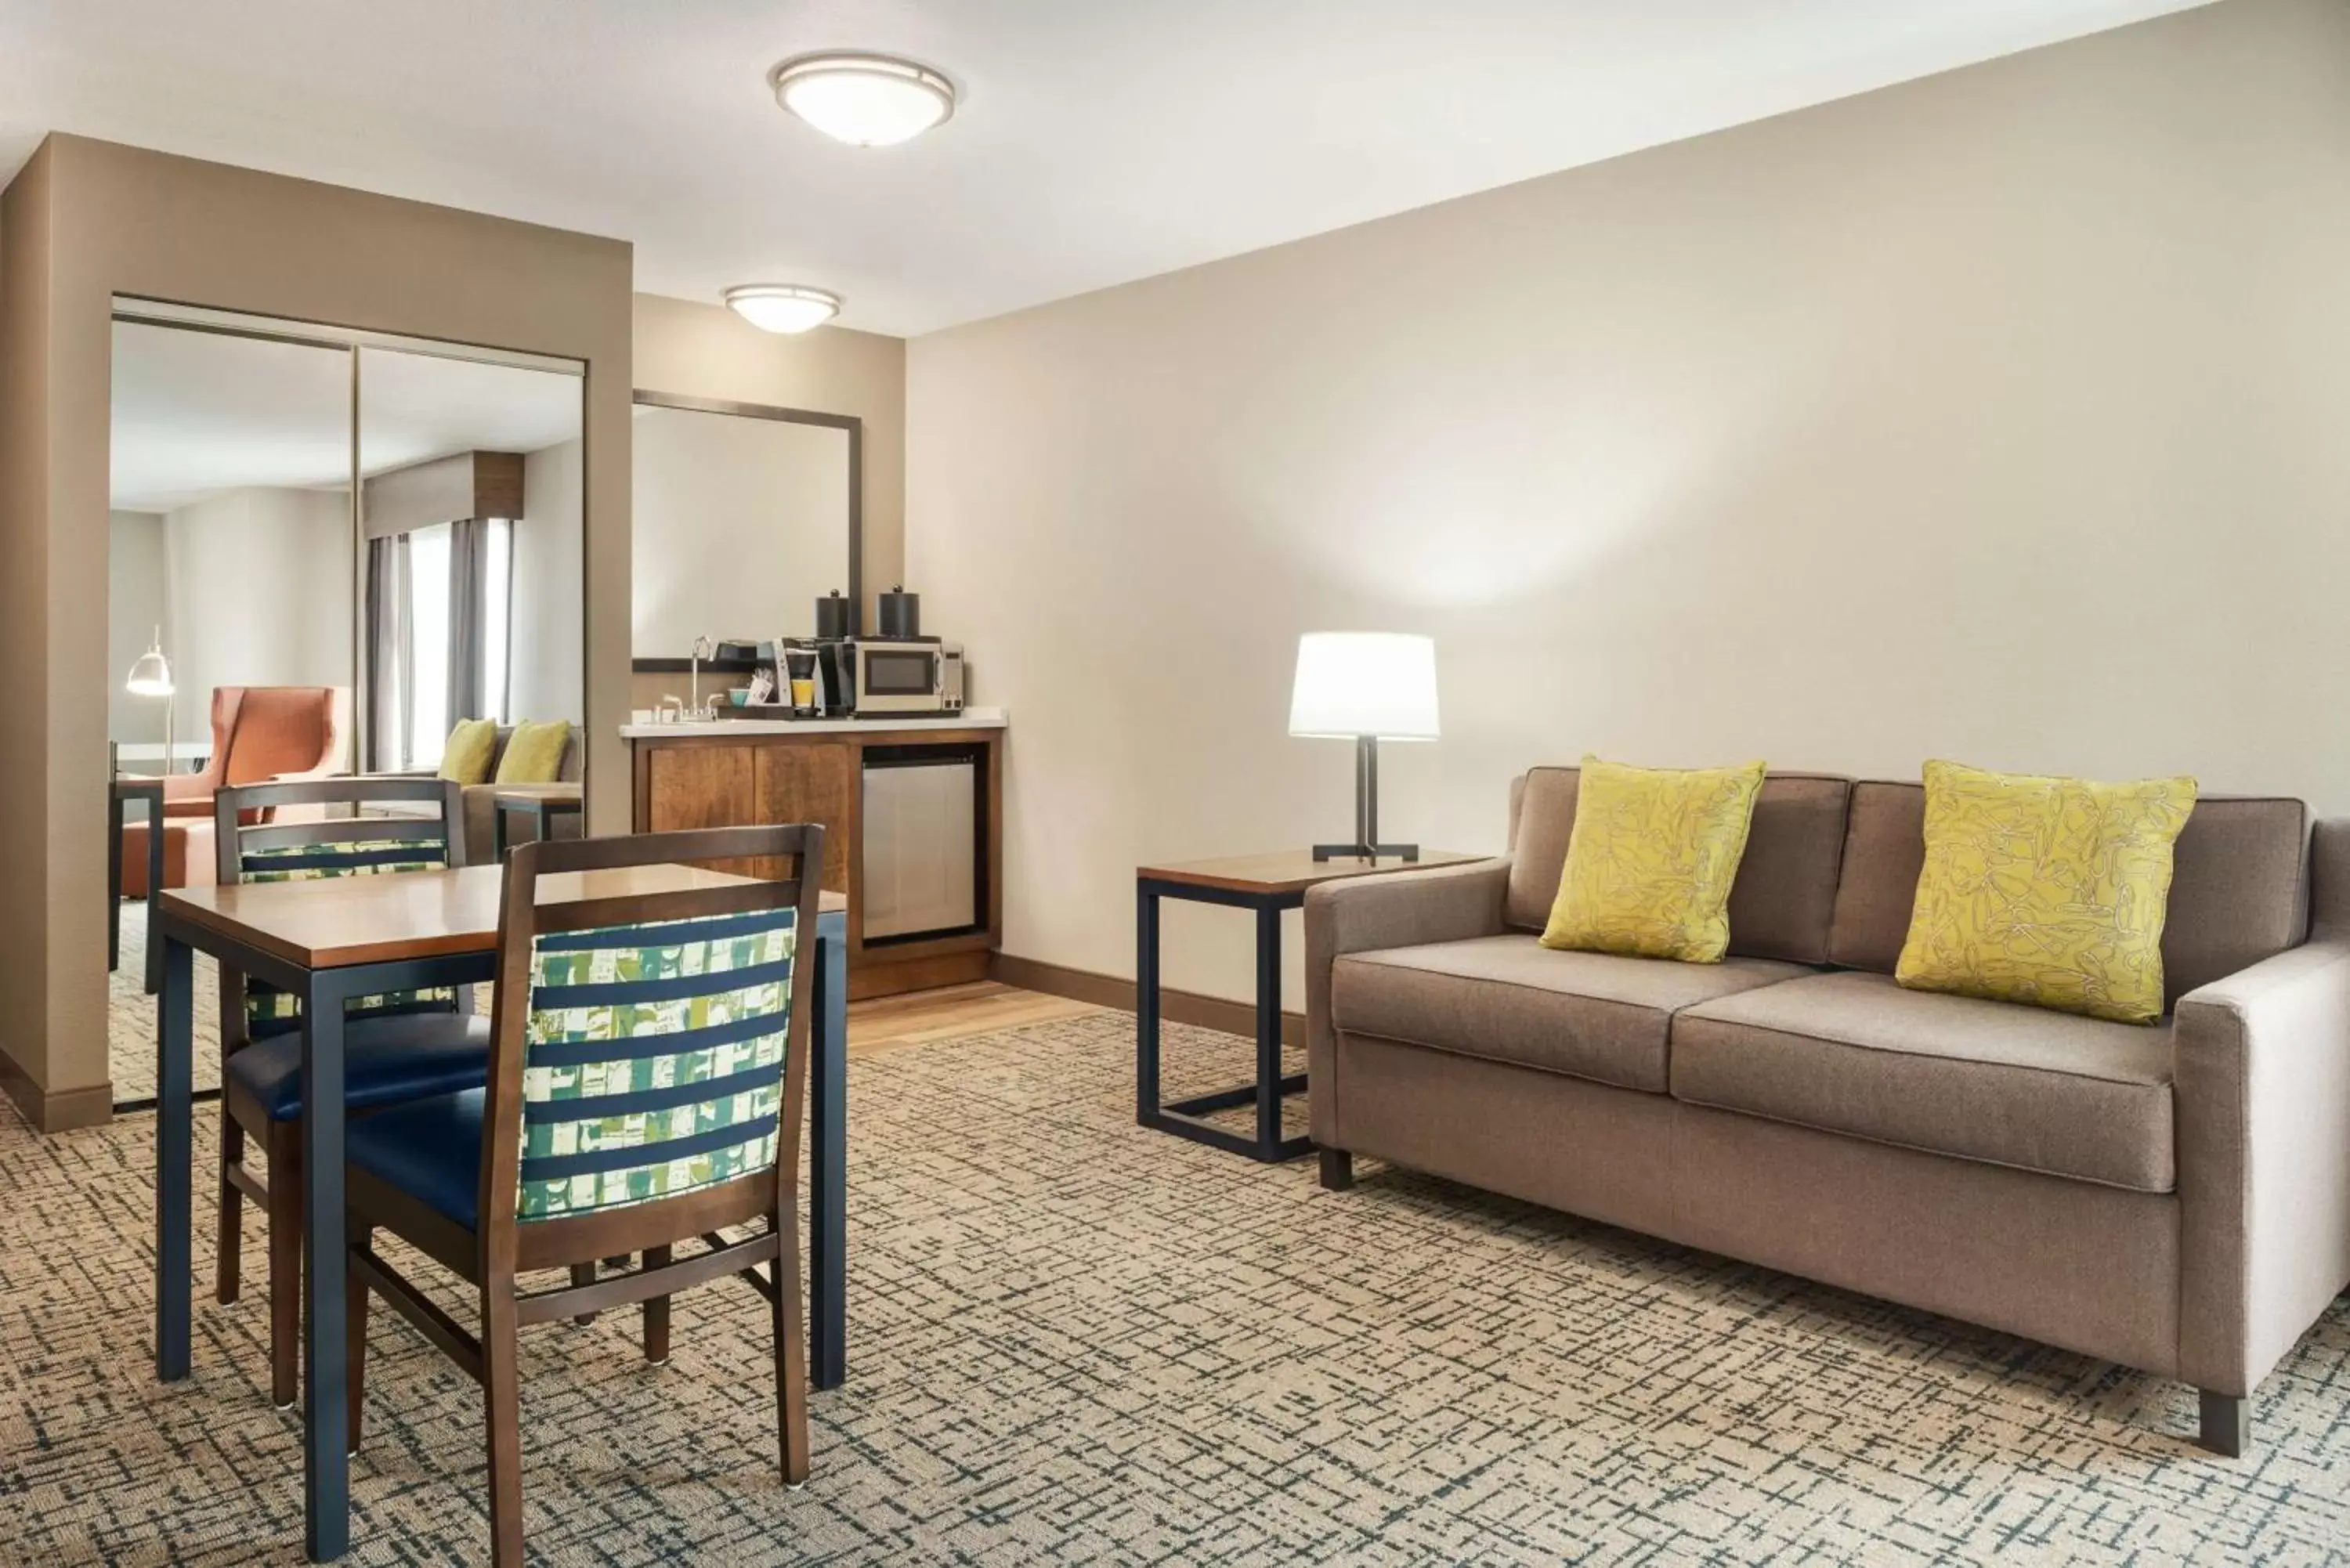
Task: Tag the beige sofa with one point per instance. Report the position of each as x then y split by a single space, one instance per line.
2173 1198
481 817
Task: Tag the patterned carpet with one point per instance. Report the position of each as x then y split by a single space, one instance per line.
1077 1342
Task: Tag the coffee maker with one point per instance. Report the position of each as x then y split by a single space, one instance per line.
817 675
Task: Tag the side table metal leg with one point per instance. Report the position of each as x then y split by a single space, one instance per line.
154 895
1145 1005
1268 1033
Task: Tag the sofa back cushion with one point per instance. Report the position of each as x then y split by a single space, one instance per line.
2238 885
1784 897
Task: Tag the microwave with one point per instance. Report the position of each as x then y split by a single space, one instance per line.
916 678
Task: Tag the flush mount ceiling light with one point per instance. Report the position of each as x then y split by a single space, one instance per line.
865 101
782 306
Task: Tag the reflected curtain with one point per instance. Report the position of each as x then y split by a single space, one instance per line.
388 705
469 617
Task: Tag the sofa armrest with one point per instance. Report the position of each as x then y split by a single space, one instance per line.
1363 914
2260 1076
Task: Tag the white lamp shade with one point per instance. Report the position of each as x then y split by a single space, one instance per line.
150 673
1353 683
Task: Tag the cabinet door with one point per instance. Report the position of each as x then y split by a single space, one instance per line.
702 787
809 781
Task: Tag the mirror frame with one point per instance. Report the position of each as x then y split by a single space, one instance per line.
849 422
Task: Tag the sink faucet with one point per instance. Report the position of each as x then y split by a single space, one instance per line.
703 648
663 710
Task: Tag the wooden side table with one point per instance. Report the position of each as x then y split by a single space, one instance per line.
541 802
1265 884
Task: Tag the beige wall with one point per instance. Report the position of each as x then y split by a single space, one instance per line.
1996 416
708 351
85 220
137 604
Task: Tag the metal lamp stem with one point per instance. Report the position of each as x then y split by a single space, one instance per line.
1366 844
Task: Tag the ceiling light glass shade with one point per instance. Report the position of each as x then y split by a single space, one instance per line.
865 101
782 306
1353 683
151 672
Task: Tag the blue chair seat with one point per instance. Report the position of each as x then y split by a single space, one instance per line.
385 1060
429 1150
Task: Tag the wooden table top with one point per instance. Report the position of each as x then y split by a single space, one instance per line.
1290 870
338 920
552 793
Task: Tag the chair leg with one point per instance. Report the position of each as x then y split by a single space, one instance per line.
656 1313
501 1400
228 1265
584 1274
285 1262
355 1299
791 1351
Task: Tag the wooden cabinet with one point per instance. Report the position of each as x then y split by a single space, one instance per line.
761 773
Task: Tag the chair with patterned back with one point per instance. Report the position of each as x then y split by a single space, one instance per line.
648 1070
396 1046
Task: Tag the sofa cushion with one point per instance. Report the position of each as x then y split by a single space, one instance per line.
2238 884
1510 999
1981 1080
1785 892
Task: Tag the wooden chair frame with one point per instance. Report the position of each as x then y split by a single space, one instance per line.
239 822
502 1247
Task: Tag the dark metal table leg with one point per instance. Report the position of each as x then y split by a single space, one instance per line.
1145 1005
326 1460
174 1150
154 891
1268 1033
114 882
828 1157
498 832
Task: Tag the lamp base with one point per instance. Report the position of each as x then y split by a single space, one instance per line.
1405 852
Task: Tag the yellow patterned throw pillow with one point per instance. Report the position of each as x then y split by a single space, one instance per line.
2047 891
1650 860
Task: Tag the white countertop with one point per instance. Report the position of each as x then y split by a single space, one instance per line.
969 719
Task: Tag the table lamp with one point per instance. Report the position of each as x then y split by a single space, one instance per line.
151 676
1367 686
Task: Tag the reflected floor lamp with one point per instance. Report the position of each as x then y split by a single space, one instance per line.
151 676
1366 687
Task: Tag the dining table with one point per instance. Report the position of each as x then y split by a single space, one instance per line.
330 940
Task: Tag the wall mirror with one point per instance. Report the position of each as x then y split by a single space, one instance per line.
743 516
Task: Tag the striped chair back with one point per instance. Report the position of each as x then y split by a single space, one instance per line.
654 1045
254 846
654 1061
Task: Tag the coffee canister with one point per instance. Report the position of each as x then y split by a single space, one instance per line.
902 614
836 617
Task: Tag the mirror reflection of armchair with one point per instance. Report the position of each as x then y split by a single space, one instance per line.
259 734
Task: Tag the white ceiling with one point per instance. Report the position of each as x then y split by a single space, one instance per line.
197 414
1100 140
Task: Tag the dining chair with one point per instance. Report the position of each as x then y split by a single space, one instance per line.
648 1070
397 1046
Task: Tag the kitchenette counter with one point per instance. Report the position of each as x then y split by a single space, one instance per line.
969 719
912 812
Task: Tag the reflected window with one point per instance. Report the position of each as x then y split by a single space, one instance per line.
429 637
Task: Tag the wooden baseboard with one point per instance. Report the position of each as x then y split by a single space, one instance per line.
872 979
61 1111
1191 1007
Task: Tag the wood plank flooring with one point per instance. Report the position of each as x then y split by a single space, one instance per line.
921 1017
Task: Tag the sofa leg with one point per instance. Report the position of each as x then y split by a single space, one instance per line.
1338 1169
2226 1427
